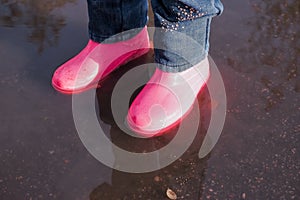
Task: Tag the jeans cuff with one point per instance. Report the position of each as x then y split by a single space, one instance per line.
126 35
174 68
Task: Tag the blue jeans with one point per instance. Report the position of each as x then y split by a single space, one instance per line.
173 52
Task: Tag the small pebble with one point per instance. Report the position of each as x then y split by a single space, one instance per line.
51 152
171 194
156 178
244 195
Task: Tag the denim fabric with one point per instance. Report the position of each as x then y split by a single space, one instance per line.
110 17
185 27
191 18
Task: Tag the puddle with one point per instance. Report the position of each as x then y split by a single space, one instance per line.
256 48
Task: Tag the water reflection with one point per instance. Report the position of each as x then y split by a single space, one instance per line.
42 155
276 31
44 26
185 176
271 48
278 47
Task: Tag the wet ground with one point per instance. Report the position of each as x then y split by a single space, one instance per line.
255 45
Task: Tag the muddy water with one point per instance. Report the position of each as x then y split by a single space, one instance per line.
255 45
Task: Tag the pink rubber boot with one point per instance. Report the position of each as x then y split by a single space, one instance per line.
96 61
166 99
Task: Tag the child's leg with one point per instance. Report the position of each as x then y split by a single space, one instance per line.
188 17
181 49
110 17
106 19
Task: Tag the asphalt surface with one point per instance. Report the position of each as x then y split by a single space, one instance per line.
255 45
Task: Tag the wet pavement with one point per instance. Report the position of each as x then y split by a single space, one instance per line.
255 45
